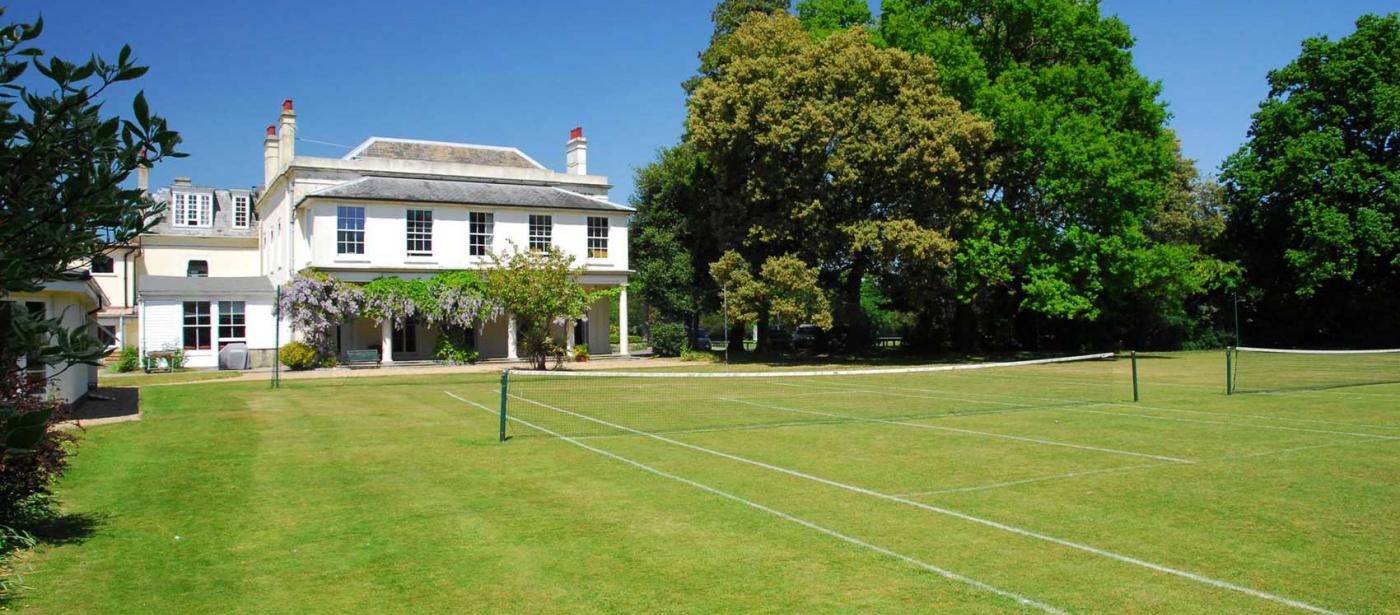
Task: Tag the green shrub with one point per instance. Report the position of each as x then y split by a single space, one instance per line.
128 361
580 352
454 350
297 356
699 356
668 339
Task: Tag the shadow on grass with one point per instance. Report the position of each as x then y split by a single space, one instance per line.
64 529
51 530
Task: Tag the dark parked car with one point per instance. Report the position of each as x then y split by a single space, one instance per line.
702 340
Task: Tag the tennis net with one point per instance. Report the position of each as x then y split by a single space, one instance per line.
1266 370
604 403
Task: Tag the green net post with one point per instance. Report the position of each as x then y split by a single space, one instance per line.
1229 372
276 382
505 378
1135 376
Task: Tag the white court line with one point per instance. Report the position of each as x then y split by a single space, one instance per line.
959 515
1229 423
1013 483
1133 405
948 574
988 434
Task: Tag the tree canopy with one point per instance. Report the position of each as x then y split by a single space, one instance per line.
1314 194
870 142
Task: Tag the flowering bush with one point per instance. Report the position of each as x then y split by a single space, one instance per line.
315 303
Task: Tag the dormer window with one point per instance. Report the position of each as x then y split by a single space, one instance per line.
241 210
192 209
197 269
102 264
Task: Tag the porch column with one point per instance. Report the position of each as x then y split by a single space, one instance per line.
510 338
386 345
569 335
622 320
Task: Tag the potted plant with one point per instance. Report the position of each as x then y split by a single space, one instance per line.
581 353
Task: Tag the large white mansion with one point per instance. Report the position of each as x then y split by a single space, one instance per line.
205 277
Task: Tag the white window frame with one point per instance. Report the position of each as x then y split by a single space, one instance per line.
481 233
418 233
347 244
601 240
226 309
546 237
197 321
242 208
192 209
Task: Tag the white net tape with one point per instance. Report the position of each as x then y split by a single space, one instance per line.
829 372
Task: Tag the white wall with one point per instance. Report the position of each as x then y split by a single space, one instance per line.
386 236
73 383
162 326
224 261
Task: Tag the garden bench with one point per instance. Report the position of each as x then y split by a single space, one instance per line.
362 358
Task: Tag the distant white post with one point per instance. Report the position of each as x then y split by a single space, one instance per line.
622 319
510 338
387 344
569 335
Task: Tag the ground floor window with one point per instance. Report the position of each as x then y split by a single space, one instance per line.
406 337
198 327
107 334
232 322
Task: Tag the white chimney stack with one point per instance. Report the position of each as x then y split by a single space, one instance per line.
271 156
576 153
287 135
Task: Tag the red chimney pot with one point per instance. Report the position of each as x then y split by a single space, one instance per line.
576 133
287 105
271 131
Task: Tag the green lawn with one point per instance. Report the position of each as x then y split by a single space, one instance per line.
136 379
1029 488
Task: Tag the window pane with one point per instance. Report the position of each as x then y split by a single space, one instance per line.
480 231
541 232
350 230
102 264
420 231
197 329
597 237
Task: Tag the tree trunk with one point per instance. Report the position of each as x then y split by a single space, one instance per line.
857 323
965 328
762 345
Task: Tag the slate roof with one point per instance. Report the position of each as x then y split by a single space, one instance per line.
436 151
466 193
170 285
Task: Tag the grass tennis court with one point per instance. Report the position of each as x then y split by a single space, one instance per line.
1034 488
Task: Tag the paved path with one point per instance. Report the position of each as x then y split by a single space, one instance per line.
264 374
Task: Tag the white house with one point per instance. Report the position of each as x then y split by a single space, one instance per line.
199 285
75 299
408 208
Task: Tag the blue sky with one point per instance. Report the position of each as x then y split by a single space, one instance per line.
524 73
